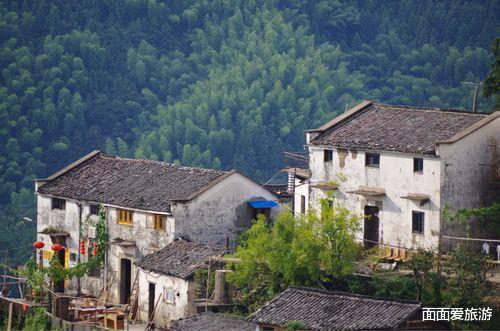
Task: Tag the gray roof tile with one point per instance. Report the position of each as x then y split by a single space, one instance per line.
140 184
181 258
319 310
213 322
381 127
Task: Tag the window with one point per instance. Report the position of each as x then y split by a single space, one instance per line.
418 164
327 155
159 222
58 203
169 295
302 204
372 160
124 216
94 209
418 222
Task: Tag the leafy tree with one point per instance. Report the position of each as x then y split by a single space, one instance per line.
492 82
310 250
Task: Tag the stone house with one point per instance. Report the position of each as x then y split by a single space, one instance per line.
316 309
402 165
166 283
147 204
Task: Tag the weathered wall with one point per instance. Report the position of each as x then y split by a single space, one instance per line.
396 176
220 211
301 189
467 175
182 306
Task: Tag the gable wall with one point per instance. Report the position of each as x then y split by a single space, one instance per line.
220 211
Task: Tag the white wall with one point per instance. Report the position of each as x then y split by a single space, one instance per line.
220 211
301 189
396 176
467 172
183 305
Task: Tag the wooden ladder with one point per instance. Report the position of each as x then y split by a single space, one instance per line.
133 298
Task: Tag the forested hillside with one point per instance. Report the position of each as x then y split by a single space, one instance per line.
224 84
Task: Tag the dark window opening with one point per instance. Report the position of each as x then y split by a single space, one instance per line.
418 164
302 204
327 155
94 209
418 222
58 203
372 160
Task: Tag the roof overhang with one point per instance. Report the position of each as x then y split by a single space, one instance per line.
325 186
417 197
123 243
369 191
299 172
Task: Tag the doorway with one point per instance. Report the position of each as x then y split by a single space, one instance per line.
151 301
125 280
61 256
371 224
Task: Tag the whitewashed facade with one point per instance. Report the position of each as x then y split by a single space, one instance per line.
459 173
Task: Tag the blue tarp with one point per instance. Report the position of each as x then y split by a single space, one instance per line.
259 204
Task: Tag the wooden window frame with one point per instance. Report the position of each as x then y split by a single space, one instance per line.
159 222
416 218
418 165
59 204
370 160
327 155
125 216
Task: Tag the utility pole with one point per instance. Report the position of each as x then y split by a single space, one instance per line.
476 91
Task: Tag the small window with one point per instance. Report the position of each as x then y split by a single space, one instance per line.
58 203
94 209
302 204
124 216
169 295
418 222
418 164
372 160
159 222
327 155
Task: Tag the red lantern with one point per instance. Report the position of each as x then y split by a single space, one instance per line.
82 247
38 244
94 249
57 247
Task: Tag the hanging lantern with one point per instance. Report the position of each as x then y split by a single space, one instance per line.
82 247
38 244
56 247
94 249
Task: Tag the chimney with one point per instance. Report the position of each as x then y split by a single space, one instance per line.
222 290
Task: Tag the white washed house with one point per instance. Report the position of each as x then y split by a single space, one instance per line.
147 204
167 284
402 166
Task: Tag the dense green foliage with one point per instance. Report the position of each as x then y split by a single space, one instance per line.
227 84
308 250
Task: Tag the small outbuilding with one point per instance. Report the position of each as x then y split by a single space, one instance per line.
166 286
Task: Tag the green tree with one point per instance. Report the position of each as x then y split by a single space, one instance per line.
309 250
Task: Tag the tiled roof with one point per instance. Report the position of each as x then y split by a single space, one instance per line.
380 127
213 322
319 310
180 258
140 184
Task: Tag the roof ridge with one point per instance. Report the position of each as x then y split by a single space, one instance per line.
179 166
353 295
435 109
